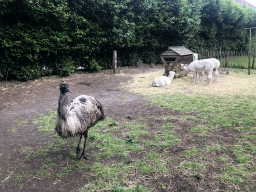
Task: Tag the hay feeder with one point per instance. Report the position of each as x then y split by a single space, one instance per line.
174 56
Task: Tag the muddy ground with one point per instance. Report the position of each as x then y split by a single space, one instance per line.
28 99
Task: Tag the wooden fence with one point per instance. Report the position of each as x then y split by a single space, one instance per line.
226 55
221 54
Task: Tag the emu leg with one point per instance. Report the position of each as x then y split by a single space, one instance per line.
78 149
85 139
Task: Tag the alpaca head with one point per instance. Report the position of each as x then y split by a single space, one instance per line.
183 66
64 88
171 74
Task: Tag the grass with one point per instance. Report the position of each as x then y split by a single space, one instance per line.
217 112
237 62
46 123
211 142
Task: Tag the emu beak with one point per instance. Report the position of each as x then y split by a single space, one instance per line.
69 90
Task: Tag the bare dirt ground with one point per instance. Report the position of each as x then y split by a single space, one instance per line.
28 99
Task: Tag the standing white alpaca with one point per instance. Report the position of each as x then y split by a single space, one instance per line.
77 117
215 72
200 66
215 68
200 73
163 80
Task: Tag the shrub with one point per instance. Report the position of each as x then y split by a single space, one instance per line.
95 66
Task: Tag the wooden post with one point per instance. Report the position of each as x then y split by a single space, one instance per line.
249 65
114 61
253 60
226 63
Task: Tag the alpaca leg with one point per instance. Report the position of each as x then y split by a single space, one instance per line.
196 77
78 149
85 139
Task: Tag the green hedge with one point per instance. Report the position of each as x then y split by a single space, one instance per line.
61 35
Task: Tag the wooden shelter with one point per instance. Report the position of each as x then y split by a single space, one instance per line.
174 57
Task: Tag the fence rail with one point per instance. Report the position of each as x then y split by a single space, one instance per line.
239 59
222 54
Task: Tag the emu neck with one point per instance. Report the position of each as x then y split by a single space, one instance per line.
62 107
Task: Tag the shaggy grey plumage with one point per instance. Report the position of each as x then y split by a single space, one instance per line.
77 117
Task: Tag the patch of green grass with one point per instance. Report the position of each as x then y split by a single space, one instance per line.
102 124
200 128
45 170
168 126
222 159
188 117
22 150
98 185
64 171
192 152
18 179
72 155
144 167
159 162
110 146
136 147
81 165
198 176
153 155
113 123
135 128
236 174
21 123
244 152
109 173
104 171
229 111
192 165
237 62
212 148
46 123
165 139
13 129
244 158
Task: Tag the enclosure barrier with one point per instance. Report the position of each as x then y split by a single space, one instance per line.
228 56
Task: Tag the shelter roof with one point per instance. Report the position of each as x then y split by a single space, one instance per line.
177 51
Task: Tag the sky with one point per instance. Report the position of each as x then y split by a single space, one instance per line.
253 2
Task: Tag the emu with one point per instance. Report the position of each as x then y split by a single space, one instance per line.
77 117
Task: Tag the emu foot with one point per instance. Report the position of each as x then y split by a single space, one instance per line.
82 157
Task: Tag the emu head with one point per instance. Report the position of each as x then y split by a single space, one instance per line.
64 88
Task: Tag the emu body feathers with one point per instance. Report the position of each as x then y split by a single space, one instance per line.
78 116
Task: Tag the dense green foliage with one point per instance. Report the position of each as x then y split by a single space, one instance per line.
60 35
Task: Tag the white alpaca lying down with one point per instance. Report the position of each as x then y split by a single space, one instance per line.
163 80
